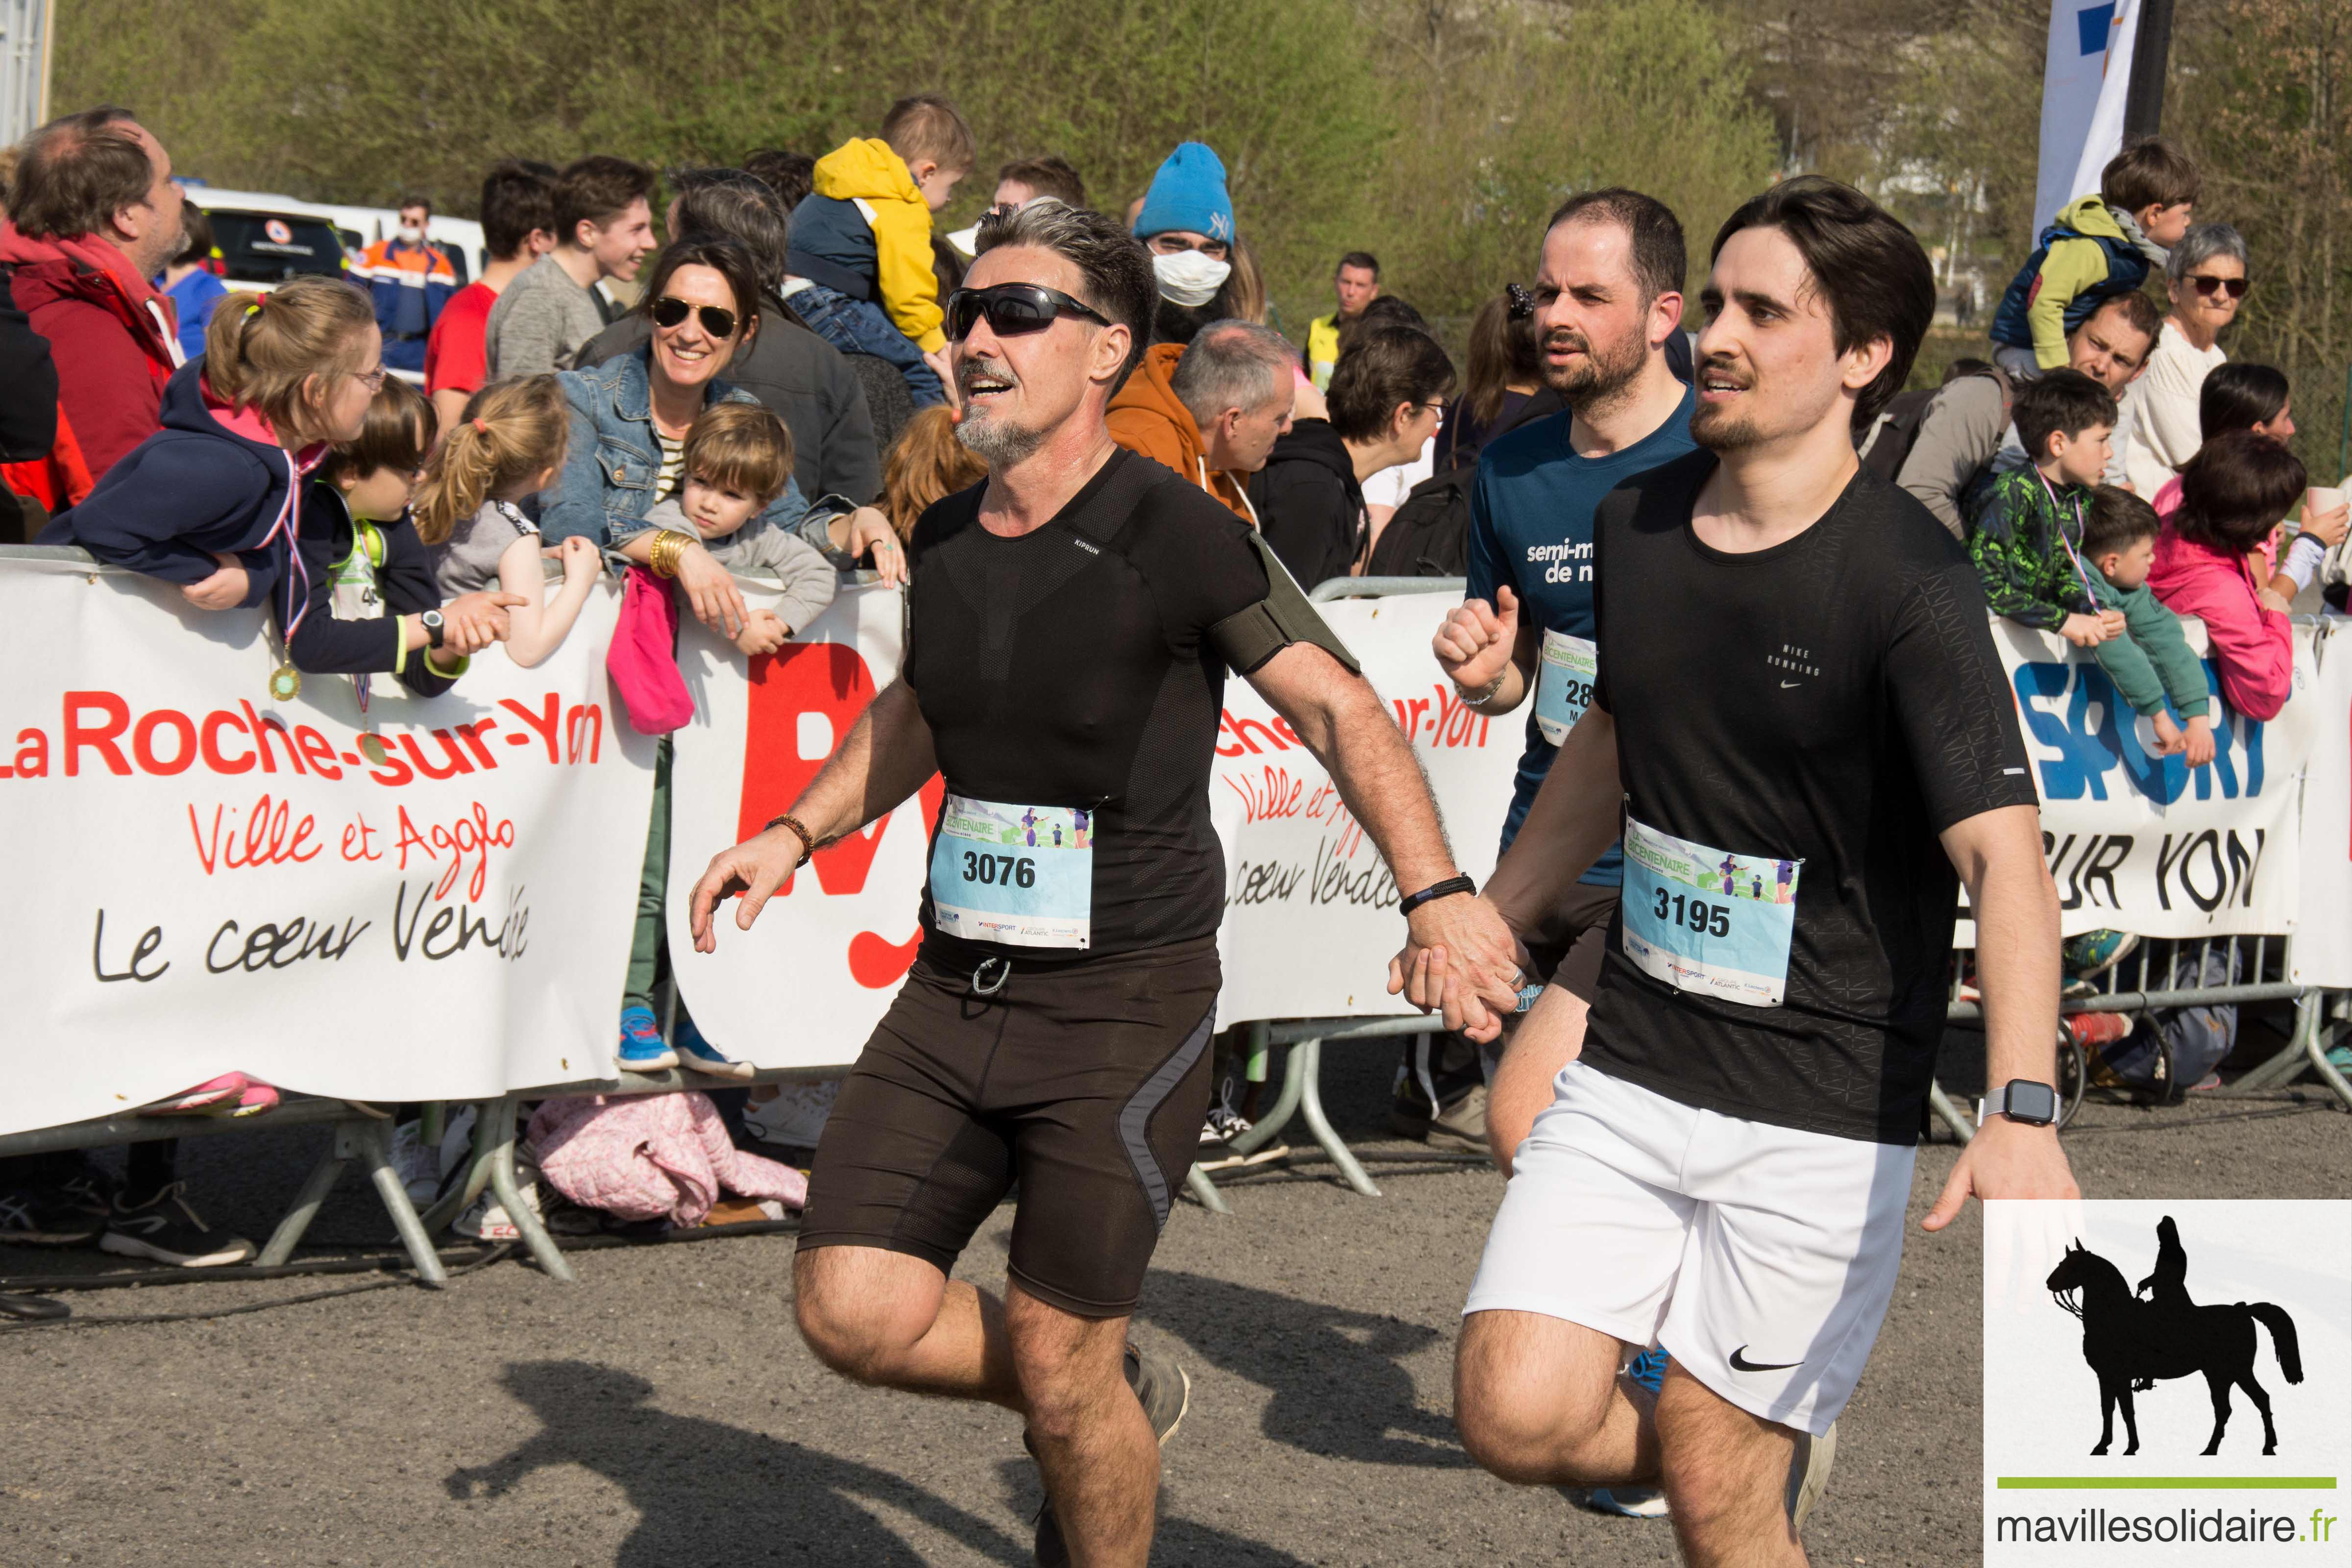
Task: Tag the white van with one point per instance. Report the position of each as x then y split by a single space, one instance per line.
358 228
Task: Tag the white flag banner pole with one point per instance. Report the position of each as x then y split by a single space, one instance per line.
2085 85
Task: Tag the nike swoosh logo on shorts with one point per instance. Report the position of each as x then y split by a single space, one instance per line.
1741 1363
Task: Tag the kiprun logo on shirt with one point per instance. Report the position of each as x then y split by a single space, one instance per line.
1566 562
1793 661
2167 1379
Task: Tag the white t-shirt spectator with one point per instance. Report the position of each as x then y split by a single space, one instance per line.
2159 431
1392 485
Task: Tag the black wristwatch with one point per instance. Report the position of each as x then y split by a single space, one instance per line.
1451 884
432 622
2021 1100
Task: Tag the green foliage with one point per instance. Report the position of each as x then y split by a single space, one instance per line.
1439 136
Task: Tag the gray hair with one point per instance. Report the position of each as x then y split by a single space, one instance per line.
1116 269
2201 245
735 204
1232 363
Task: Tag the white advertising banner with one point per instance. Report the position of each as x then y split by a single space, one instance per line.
2147 844
1310 910
2322 941
202 880
2084 81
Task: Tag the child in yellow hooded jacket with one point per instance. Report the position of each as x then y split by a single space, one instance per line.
861 240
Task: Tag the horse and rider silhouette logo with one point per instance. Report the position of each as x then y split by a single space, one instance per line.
2131 1343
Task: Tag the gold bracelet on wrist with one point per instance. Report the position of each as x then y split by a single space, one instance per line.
664 555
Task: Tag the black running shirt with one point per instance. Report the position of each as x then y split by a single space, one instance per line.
1074 666
1833 700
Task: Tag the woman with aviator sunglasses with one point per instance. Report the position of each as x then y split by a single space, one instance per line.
630 416
2206 278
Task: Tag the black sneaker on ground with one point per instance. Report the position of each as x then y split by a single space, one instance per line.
68 1215
1165 1391
165 1229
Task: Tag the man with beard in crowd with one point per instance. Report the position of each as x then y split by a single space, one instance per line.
1186 222
1608 301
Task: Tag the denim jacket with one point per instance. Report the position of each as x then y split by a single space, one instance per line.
613 458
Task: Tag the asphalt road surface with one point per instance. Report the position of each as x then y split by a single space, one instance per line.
663 1411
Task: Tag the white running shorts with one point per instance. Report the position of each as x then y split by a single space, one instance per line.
1761 1258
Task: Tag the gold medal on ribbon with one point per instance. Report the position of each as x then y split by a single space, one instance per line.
373 748
285 683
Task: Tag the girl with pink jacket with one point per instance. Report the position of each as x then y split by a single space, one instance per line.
2210 564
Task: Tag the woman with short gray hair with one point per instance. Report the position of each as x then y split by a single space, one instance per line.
2206 276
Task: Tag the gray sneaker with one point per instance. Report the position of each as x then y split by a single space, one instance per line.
1809 1474
1165 1392
1463 1124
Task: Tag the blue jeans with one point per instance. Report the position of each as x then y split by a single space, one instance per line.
860 327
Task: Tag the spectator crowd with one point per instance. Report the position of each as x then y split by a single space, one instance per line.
687 375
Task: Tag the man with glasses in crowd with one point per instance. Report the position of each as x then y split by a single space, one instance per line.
1069 627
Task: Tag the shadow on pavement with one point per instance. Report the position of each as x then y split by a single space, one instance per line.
1333 1372
708 1493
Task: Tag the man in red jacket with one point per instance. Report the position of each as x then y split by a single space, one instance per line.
93 214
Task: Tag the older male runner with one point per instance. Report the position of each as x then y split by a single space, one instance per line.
1796 676
1069 625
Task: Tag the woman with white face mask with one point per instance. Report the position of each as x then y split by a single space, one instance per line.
1187 224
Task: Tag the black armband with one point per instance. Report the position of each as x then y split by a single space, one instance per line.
1249 638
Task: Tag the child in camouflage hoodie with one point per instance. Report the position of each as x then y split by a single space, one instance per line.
2027 534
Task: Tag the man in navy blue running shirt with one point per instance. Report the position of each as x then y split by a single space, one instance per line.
1608 300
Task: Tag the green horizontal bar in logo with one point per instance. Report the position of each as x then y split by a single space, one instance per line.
2167 1483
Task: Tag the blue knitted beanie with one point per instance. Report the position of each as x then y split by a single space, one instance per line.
1188 192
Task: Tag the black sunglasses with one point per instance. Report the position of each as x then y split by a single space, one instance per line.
669 311
2207 284
1014 309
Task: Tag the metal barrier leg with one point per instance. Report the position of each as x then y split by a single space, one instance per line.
1277 1116
315 1188
1196 1182
1308 1075
1947 1113
504 1183
2315 1048
366 1141
455 1202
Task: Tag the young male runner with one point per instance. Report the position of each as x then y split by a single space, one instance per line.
1069 627
1794 670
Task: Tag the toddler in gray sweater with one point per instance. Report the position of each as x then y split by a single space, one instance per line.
737 456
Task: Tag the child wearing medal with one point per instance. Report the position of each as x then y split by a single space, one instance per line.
507 447
375 609
2026 537
214 500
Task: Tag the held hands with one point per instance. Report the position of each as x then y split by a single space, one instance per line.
2197 742
1461 960
2113 623
2084 631
756 869
718 604
472 622
762 633
1475 644
2005 1160
869 530
2170 740
224 590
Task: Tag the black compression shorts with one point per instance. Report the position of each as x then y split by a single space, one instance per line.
1084 1080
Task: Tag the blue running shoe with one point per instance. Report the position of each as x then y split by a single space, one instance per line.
642 1047
699 1054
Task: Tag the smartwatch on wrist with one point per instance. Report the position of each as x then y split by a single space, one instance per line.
433 624
2021 1100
